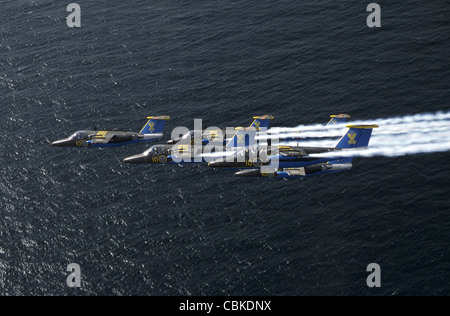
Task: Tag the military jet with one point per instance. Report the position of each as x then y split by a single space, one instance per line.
294 162
259 123
258 155
183 150
335 121
152 131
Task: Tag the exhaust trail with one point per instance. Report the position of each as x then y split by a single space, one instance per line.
400 136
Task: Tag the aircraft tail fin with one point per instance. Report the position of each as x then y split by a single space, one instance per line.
338 119
245 137
242 138
358 136
262 121
155 125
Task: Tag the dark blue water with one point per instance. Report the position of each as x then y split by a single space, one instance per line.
170 230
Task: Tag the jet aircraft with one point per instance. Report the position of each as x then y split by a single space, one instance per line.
336 120
259 123
183 150
152 131
300 162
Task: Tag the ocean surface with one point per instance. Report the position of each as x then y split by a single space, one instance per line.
190 230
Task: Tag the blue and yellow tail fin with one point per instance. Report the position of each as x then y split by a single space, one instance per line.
245 137
155 125
262 121
338 119
358 136
242 138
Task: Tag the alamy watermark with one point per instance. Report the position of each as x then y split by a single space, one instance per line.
74 18
374 19
252 146
374 278
74 278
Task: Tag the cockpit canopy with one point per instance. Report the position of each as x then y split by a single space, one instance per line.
81 135
293 153
155 150
188 135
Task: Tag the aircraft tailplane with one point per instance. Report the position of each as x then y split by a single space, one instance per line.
338 119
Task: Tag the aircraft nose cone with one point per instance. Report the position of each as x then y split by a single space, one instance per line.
227 165
171 142
254 173
216 164
136 159
61 143
222 164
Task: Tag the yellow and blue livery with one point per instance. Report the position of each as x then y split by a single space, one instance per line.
152 131
302 162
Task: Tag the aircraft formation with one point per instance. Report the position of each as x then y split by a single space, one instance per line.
252 152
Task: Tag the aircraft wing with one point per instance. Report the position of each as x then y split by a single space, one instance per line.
102 137
288 151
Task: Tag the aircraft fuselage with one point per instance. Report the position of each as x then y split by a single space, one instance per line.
93 139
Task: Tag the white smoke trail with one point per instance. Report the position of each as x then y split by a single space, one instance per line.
400 136
423 122
394 151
